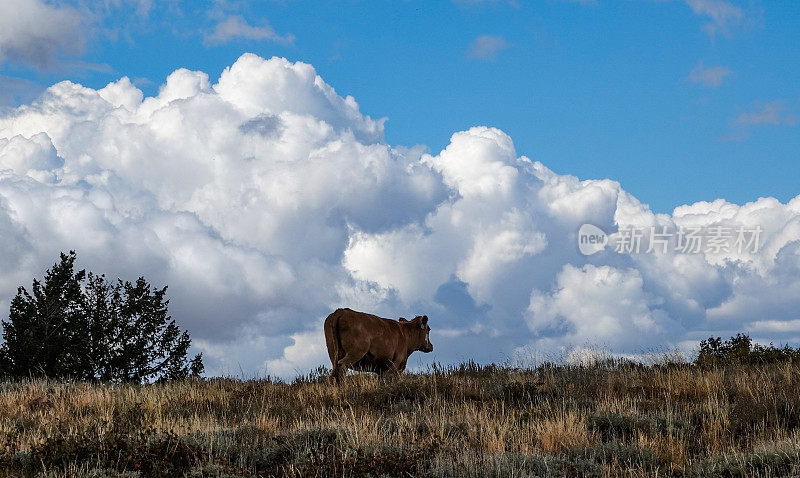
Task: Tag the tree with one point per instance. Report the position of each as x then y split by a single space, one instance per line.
740 350
40 334
84 327
129 335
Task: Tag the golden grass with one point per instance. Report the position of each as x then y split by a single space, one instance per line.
603 420
563 431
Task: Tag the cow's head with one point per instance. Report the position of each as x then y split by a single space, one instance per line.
423 333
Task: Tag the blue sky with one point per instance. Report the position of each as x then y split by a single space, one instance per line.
208 152
595 89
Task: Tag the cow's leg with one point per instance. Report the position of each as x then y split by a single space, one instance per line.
394 370
344 363
335 351
336 371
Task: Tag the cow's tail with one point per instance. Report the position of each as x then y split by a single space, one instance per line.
332 337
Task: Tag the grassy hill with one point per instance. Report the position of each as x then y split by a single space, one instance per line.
613 418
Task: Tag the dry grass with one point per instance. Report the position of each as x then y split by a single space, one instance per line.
605 420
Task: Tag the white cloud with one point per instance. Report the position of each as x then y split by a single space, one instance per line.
247 226
51 34
235 26
711 76
306 352
143 7
631 303
34 156
39 34
265 200
772 113
482 230
600 305
487 47
722 15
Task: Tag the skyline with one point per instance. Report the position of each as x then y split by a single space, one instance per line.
257 175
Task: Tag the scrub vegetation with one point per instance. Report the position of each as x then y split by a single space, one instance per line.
726 414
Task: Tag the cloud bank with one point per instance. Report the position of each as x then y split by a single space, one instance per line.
265 200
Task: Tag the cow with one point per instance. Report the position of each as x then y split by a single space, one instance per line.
369 343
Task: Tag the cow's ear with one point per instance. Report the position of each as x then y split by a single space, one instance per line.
424 320
402 319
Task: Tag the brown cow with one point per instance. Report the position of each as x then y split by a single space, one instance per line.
370 343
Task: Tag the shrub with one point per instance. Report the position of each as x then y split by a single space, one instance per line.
614 426
741 350
765 463
149 453
623 456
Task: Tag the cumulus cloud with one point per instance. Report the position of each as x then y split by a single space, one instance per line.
487 47
630 302
235 26
601 305
240 194
265 200
710 76
38 34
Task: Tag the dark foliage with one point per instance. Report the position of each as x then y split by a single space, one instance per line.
625 456
83 327
768 463
740 350
613 426
42 334
151 454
